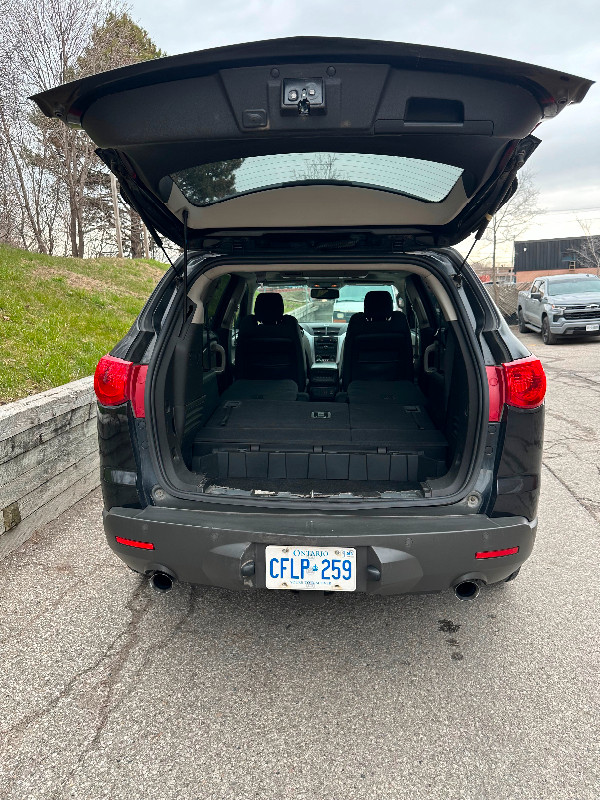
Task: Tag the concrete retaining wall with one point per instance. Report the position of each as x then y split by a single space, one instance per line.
48 458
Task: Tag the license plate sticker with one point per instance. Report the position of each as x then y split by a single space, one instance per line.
592 327
332 569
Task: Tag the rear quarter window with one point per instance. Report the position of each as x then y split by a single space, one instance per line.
213 301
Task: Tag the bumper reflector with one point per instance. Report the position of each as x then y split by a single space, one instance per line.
509 551
132 543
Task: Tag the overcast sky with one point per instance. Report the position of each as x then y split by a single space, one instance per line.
562 35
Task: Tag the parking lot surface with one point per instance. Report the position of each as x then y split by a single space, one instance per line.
111 690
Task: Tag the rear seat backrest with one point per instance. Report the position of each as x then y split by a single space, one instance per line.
269 344
378 344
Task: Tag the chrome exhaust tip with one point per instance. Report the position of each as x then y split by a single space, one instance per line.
467 590
161 581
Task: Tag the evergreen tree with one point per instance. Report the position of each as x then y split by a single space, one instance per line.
209 182
69 154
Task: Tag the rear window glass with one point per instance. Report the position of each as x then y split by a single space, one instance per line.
222 180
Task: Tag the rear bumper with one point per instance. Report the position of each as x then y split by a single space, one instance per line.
412 554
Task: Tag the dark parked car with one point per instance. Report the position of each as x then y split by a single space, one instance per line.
560 306
246 447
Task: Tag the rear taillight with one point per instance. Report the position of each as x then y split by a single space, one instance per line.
117 381
525 383
521 384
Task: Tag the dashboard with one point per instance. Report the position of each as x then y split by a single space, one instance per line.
325 340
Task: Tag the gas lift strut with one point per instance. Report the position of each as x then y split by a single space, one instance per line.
185 216
116 166
125 175
120 170
518 163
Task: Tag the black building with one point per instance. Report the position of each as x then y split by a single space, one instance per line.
545 256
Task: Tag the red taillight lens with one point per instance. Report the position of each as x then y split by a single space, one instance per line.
137 388
519 383
508 551
133 543
525 383
111 381
495 376
117 381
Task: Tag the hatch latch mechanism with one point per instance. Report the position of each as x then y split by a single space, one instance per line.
302 96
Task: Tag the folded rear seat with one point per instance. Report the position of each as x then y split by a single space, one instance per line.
273 390
375 392
282 439
264 422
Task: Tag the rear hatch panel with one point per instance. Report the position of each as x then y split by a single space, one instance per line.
466 113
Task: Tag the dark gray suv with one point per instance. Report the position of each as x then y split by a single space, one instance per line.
249 436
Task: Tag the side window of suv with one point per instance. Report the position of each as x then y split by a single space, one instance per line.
239 314
211 305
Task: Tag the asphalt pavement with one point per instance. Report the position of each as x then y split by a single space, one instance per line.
111 690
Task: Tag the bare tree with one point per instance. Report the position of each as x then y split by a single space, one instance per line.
60 187
31 201
322 167
42 40
117 42
588 253
510 221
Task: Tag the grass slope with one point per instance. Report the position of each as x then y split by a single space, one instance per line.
58 316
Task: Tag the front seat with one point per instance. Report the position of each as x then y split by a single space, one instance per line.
378 344
269 344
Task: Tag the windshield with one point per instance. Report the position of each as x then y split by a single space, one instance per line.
222 180
298 302
574 286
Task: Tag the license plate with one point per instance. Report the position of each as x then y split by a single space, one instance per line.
330 568
592 327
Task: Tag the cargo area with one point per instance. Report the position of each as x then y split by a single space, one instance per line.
261 403
389 443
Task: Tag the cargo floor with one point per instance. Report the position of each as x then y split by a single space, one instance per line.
265 440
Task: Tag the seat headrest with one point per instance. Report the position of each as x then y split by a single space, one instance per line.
268 308
378 306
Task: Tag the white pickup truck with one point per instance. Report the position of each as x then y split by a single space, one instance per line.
561 305
352 300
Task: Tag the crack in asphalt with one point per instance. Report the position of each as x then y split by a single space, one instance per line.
157 646
130 636
586 432
19 728
570 443
109 683
583 502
